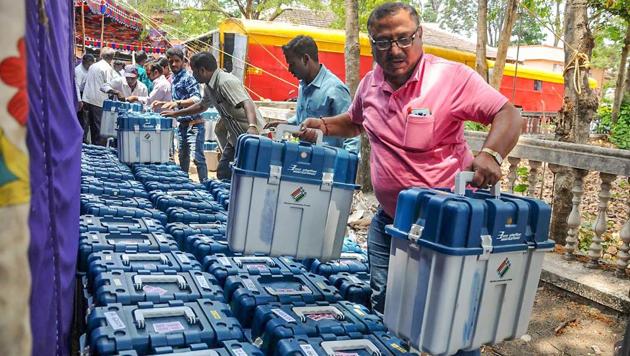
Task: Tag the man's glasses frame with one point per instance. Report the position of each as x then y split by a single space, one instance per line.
403 42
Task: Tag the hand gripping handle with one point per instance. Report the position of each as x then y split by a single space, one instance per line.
463 178
282 129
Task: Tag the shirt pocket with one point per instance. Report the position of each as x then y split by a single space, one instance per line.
419 132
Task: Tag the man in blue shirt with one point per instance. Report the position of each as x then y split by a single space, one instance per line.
321 93
192 131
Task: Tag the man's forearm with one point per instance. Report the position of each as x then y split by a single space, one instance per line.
341 126
506 128
194 109
186 103
250 112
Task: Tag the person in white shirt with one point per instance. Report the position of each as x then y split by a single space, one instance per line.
80 74
119 67
161 87
127 86
99 73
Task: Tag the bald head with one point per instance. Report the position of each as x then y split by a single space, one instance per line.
107 54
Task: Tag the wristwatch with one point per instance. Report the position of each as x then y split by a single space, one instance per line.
496 155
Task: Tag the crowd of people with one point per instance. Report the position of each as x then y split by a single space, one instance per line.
183 87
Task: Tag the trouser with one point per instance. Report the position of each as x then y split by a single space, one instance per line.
193 135
94 114
379 244
83 121
224 171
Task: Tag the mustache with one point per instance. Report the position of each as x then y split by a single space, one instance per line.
396 58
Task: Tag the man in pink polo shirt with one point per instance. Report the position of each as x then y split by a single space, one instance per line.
413 107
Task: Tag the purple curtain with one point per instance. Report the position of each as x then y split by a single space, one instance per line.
54 144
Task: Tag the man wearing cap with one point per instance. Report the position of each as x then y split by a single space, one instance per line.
161 87
127 86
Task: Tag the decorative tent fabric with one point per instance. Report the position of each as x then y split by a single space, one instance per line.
122 31
54 145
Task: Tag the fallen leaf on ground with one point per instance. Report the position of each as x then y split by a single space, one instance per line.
561 328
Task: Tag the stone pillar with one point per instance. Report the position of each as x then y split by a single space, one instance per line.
573 222
532 180
514 161
595 249
623 257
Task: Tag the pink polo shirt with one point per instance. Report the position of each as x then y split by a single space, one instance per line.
410 150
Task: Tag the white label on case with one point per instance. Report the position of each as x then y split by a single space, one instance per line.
114 321
239 352
202 281
249 284
183 258
308 350
117 282
225 261
170 326
282 314
354 279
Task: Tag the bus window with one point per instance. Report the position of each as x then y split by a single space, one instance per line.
537 85
228 49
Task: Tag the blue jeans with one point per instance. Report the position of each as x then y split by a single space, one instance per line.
193 136
379 244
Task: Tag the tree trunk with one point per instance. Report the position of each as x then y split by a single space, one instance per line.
619 90
504 43
353 55
481 64
577 110
557 24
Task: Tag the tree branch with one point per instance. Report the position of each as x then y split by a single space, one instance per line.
277 13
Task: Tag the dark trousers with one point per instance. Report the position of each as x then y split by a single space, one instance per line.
94 114
83 121
224 171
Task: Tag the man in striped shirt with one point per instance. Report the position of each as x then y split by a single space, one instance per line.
227 94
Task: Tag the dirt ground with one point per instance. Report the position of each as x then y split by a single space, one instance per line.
563 324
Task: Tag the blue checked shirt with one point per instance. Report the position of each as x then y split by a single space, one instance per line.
185 87
325 96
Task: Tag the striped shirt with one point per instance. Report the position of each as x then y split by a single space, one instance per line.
227 94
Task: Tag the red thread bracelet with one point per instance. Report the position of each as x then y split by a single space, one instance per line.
325 126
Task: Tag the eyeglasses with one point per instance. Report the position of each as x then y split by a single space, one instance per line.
403 42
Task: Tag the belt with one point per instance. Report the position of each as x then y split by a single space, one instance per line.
192 122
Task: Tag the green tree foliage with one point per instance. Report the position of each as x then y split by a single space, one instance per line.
186 18
365 8
619 132
461 17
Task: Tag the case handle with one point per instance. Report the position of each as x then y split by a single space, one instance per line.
282 129
128 257
302 312
353 256
140 315
139 280
254 259
463 178
333 347
275 292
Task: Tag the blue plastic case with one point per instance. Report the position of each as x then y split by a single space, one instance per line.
353 287
118 224
379 343
276 321
190 216
203 245
180 231
147 326
230 348
221 266
130 288
153 261
349 262
124 211
151 186
245 292
89 201
122 242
